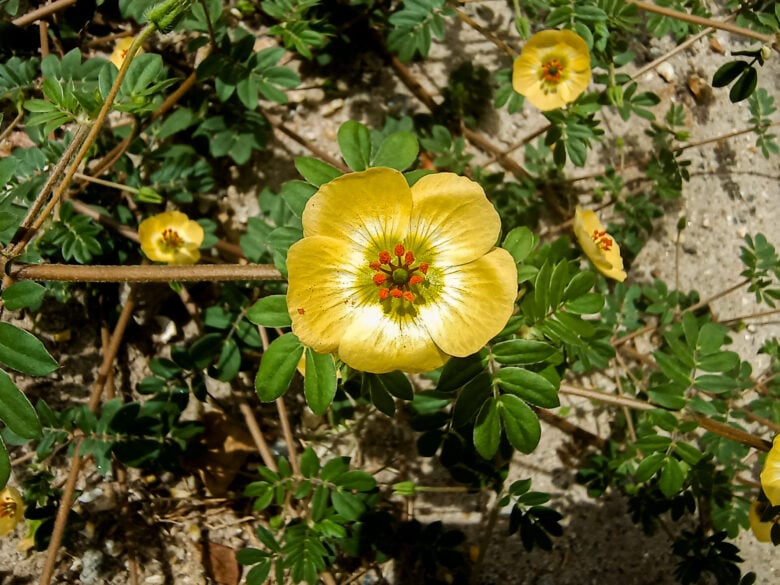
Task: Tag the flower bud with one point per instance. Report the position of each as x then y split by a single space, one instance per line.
149 195
166 15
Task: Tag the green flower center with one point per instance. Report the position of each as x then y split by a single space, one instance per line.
396 275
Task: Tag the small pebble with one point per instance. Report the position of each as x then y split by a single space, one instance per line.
666 71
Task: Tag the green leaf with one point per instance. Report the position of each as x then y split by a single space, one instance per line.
648 467
277 367
24 294
487 429
672 477
397 151
522 352
579 284
715 383
721 361
270 311
315 171
744 86
459 371
16 411
23 352
347 505
310 463
673 369
320 382
355 144
520 423
529 386
520 242
728 72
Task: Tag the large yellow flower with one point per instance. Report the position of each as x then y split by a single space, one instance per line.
553 69
598 245
770 476
390 277
11 509
171 237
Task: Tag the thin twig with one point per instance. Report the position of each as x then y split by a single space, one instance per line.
257 435
701 21
19 117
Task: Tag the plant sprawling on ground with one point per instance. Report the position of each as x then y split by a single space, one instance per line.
427 275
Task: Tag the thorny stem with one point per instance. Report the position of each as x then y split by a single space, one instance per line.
144 273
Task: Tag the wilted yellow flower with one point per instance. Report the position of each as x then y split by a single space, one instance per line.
761 530
553 69
11 509
120 51
598 245
171 237
770 476
390 277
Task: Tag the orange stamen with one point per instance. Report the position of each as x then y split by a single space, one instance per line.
415 279
380 278
383 294
399 250
384 257
551 71
409 258
409 296
424 267
375 265
396 292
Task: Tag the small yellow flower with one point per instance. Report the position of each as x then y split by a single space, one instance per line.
761 530
120 51
390 277
171 237
598 245
11 509
553 69
770 476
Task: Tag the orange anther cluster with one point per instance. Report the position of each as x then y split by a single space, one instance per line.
396 275
551 71
171 239
7 509
602 240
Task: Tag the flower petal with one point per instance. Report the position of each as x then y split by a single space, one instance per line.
13 508
770 476
452 221
474 303
609 263
761 530
326 285
370 208
379 341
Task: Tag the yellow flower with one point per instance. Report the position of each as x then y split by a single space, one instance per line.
11 509
553 69
761 530
120 51
598 245
396 278
171 237
770 476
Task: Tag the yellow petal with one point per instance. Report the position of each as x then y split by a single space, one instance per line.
324 288
11 509
608 262
370 208
770 476
378 341
474 303
452 221
761 530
